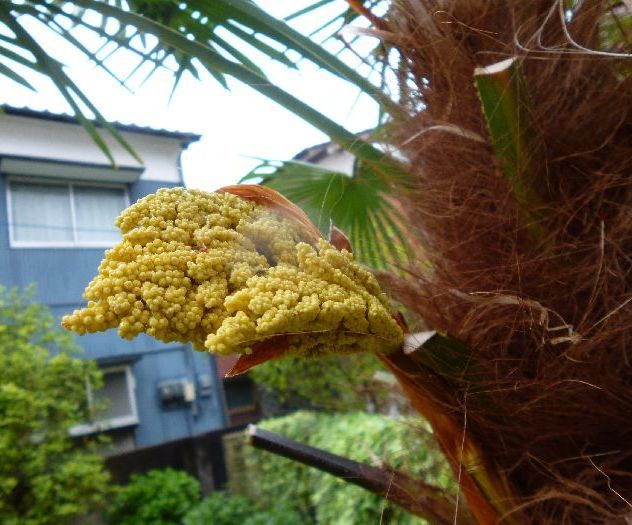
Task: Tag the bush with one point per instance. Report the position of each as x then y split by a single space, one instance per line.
160 497
362 437
277 516
336 382
46 478
276 479
221 508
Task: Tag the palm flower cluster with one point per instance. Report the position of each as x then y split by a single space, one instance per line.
226 273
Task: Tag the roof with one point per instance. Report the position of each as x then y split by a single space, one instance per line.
185 137
319 151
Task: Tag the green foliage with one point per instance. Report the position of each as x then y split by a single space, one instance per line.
338 382
159 497
45 478
362 437
356 204
221 508
277 515
506 104
197 37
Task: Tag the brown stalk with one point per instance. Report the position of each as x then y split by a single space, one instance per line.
416 496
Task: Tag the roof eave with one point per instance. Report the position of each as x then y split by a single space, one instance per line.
186 137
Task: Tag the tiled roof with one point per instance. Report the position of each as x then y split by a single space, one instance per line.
186 137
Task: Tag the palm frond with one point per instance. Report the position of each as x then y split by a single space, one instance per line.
502 89
214 36
357 204
45 64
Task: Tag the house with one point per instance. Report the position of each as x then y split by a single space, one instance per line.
330 155
59 197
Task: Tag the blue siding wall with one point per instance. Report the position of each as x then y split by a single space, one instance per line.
61 275
171 423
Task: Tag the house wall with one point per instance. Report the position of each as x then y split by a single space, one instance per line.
61 275
337 160
31 137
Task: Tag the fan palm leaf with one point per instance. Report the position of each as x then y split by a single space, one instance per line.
209 36
357 204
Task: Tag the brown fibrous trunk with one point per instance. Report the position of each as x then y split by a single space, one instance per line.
548 321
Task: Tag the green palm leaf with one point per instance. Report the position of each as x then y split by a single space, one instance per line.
43 63
358 205
191 33
506 105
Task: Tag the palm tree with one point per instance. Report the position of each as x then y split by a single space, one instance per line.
516 131
519 143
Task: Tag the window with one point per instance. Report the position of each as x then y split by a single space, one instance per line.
114 405
239 394
119 441
64 214
116 399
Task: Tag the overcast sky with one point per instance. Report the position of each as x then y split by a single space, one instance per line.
235 125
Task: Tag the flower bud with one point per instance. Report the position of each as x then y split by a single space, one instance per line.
231 272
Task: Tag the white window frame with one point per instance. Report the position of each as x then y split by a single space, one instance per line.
115 422
13 243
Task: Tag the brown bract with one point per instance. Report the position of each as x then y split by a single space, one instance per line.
262 352
273 348
277 202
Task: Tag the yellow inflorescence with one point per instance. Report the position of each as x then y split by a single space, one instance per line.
223 273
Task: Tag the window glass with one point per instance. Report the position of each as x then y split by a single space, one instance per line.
41 213
65 213
96 209
239 394
113 400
